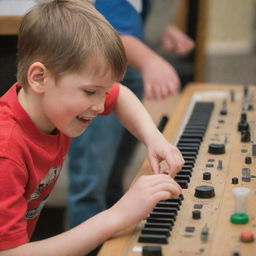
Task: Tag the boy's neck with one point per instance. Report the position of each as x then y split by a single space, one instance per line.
34 111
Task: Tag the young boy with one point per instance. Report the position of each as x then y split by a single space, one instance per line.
69 58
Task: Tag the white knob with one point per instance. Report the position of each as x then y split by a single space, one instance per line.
240 195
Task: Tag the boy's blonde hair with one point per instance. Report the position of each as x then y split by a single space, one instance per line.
66 36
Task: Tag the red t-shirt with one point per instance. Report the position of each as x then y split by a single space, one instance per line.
30 163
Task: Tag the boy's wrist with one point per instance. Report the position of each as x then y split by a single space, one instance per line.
114 219
152 137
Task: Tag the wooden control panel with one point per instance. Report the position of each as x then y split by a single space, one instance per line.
225 159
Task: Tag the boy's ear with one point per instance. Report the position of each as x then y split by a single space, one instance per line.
37 76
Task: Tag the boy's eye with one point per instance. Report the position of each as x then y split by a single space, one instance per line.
89 92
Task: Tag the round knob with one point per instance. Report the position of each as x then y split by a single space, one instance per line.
234 180
246 237
196 214
245 136
206 176
204 192
216 149
243 124
248 160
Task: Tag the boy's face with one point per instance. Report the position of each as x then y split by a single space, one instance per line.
70 104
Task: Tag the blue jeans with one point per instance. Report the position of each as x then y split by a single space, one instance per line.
91 158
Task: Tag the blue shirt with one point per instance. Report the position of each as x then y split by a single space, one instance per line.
122 16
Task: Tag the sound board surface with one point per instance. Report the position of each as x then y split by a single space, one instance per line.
214 126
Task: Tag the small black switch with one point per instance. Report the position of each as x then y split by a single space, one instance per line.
198 206
245 136
248 160
190 229
243 124
234 180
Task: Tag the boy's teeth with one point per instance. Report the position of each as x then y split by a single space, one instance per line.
84 118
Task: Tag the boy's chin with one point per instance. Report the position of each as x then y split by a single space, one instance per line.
77 134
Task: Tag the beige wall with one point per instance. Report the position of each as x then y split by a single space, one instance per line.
230 26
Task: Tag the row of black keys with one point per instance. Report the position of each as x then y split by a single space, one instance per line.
161 220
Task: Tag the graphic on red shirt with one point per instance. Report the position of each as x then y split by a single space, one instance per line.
51 176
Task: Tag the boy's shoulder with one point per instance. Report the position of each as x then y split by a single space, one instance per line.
11 134
11 138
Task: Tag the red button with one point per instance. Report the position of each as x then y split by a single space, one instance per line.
247 237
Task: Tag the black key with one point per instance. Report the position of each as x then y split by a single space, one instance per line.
190 162
156 231
185 154
168 204
185 172
168 215
191 136
160 220
188 145
188 149
189 158
182 177
195 129
158 225
186 140
177 200
155 239
165 209
182 183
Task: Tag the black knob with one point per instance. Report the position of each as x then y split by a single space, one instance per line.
245 136
248 160
216 149
204 192
223 112
243 117
234 180
243 124
196 214
206 176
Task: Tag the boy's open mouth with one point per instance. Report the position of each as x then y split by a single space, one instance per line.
84 120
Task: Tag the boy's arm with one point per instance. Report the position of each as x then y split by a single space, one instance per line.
135 205
136 119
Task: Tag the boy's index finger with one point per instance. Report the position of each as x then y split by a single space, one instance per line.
165 168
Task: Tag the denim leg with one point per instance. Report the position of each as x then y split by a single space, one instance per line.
91 156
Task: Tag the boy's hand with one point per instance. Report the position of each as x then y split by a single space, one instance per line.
142 196
163 150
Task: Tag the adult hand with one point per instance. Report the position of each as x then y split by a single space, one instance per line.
160 78
176 41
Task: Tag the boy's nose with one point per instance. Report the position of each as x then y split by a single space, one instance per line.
99 107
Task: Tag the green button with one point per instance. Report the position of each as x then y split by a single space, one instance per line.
239 218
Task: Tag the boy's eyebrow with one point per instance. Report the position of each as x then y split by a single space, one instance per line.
96 86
